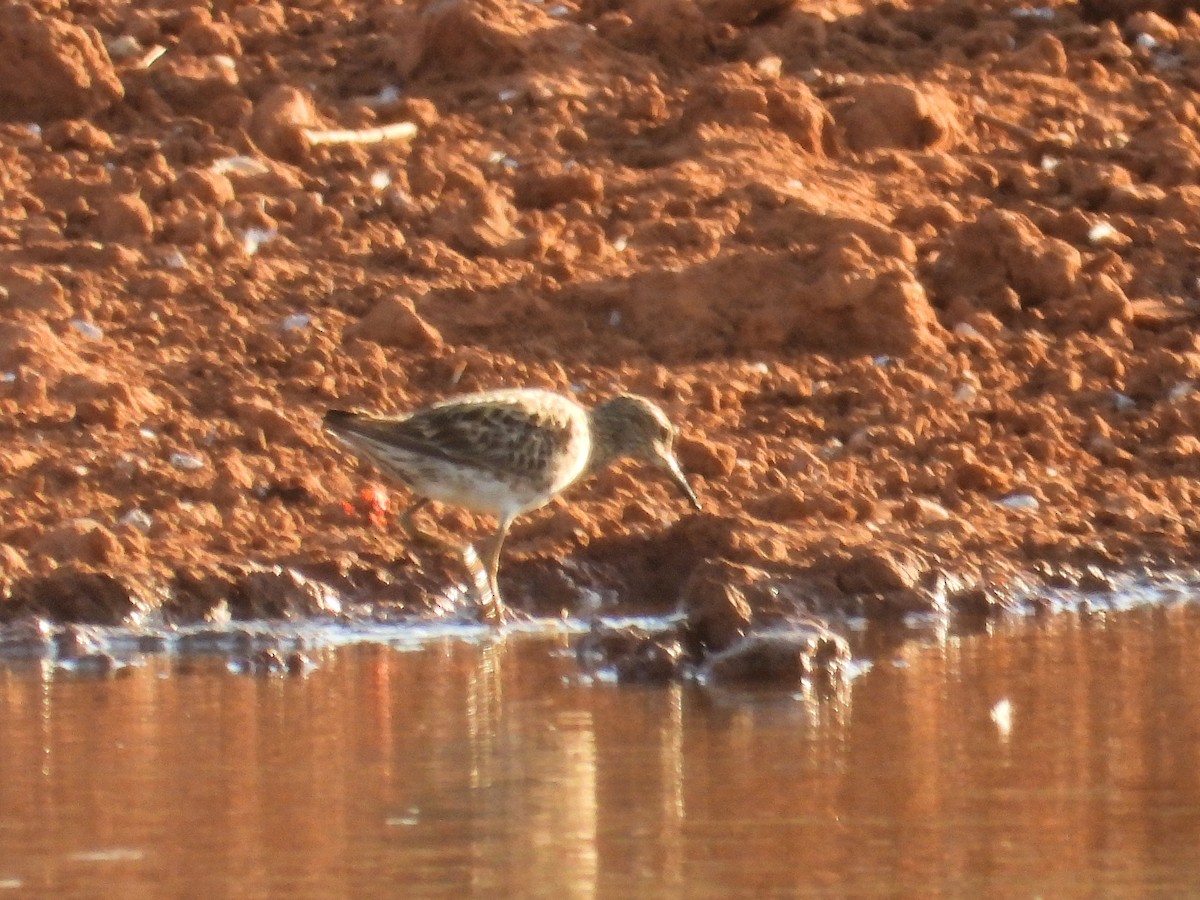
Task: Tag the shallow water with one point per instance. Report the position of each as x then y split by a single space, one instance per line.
460 769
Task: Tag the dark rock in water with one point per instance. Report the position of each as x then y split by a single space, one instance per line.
274 593
197 594
72 594
715 605
653 661
298 663
280 594
632 654
84 649
873 571
783 658
217 640
272 661
101 663
977 601
896 604
75 641
29 637
267 662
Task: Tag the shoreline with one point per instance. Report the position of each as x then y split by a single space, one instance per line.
917 285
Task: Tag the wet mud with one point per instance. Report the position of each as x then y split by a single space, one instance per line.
916 280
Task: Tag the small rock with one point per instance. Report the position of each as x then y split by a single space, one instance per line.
278 122
280 594
138 519
187 462
33 290
631 654
782 658
80 540
871 571
12 563
395 322
653 661
26 637
271 418
716 609
539 189
50 69
207 186
253 238
706 459
1024 502
87 329
887 114
72 594
295 322
75 641
272 661
976 600
239 165
267 661
124 219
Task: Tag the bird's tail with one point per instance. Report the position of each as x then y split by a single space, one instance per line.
340 419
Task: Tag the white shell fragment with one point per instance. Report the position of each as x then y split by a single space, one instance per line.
186 461
1024 502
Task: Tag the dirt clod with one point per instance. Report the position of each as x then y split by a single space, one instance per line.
51 69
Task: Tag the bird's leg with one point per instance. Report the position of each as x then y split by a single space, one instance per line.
493 608
408 522
406 518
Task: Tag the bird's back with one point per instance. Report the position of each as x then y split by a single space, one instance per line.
498 451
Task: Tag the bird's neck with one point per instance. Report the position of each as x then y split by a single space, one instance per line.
604 444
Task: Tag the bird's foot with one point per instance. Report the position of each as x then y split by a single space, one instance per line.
497 613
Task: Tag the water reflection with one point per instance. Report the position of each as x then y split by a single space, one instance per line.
490 770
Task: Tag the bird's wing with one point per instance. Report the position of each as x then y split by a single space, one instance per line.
492 435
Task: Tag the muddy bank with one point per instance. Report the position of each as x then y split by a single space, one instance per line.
917 281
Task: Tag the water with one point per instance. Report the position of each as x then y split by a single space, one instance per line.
461 769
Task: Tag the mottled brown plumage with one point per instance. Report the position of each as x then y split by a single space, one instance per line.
505 453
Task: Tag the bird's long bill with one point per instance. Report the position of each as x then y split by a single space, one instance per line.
671 464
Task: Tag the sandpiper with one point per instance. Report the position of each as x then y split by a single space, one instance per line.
507 452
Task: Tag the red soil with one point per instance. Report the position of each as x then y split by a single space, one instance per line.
917 280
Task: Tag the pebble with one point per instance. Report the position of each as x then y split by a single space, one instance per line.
240 165
137 518
253 238
87 329
295 322
1181 390
124 47
1019 501
1002 716
1102 232
387 95
1123 402
186 461
965 329
1043 13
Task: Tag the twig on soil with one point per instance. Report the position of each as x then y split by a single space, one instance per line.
1012 128
397 131
150 57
